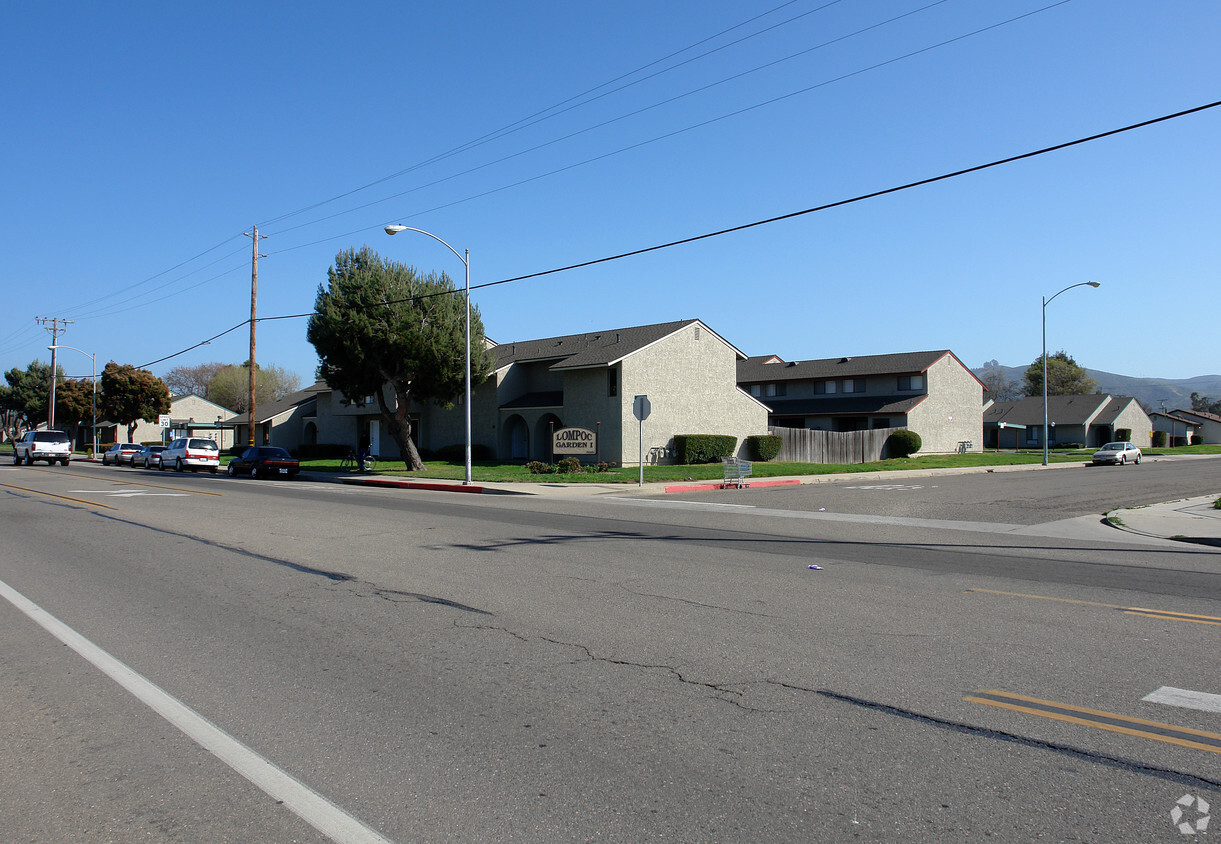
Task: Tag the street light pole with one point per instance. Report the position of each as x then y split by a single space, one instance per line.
1045 304
94 361
466 262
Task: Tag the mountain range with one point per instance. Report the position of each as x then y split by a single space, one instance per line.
1152 393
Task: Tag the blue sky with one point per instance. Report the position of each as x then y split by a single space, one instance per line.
142 140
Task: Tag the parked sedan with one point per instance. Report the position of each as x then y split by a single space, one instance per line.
264 461
146 458
1117 453
120 453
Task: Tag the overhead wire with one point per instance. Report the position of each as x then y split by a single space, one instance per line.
644 109
552 110
779 218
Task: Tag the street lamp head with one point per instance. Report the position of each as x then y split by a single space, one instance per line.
395 229
1094 283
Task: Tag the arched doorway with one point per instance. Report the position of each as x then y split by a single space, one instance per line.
515 438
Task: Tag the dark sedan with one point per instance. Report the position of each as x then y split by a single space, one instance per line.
264 461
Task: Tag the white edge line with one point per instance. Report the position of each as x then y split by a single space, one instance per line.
308 804
1185 699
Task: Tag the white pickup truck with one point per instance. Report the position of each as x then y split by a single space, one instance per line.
51 446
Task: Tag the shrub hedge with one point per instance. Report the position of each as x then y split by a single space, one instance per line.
903 443
763 447
703 448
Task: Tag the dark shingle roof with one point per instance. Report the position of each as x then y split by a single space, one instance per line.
1063 410
756 369
594 348
1111 412
842 406
267 412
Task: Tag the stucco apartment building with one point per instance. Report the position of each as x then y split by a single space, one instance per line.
190 416
1089 420
589 380
932 393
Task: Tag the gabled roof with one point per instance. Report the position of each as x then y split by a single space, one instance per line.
1111 412
593 348
771 368
267 412
1200 414
1063 410
1175 415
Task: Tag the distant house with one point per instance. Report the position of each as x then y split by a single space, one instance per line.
589 381
1090 420
1209 424
932 393
190 416
286 423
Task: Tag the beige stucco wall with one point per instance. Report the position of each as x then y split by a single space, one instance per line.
1134 417
951 412
690 378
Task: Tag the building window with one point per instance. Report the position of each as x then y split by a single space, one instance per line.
854 385
822 388
612 382
768 390
911 382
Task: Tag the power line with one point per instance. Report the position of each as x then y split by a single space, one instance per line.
794 214
667 135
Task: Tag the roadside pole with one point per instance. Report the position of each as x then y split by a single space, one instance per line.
641 409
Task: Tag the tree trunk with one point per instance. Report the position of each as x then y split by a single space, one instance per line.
131 429
398 426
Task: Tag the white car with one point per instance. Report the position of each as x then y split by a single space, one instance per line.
51 446
192 453
1117 453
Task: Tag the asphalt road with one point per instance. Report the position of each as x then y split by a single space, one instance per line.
193 658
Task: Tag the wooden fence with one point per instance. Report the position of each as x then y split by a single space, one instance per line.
802 445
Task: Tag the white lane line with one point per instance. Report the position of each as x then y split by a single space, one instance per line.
309 805
1185 699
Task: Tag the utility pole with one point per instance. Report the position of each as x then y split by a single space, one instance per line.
254 298
55 329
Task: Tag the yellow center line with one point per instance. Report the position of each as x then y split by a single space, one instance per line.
1166 615
1110 721
61 497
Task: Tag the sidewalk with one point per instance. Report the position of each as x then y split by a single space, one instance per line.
1188 520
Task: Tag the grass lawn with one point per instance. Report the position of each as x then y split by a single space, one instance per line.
495 472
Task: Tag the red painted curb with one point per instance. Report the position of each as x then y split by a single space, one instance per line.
721 485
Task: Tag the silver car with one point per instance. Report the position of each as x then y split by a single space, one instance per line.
192 453
1118 453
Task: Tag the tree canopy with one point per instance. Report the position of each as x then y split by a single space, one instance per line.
1000 386
25 399
229 386
74 401
378 323
1064 377
193 380
130 394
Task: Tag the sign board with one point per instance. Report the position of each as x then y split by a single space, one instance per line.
574 441
641 407
163 420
